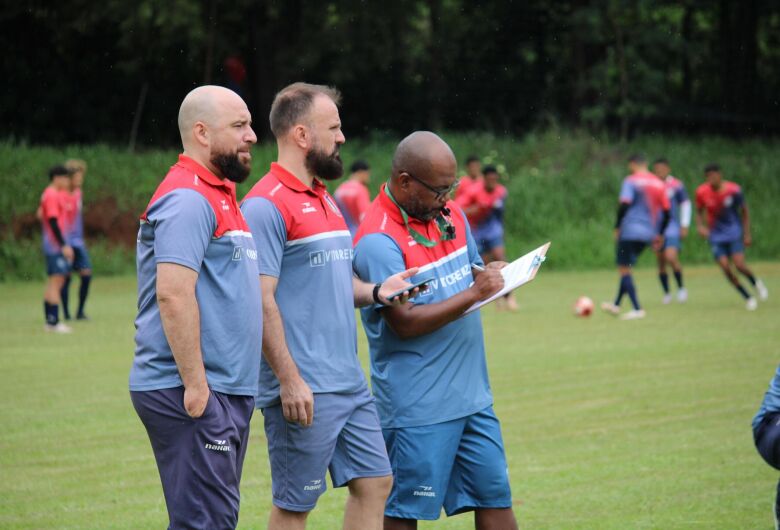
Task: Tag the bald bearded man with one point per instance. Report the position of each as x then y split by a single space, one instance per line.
428 369
197 354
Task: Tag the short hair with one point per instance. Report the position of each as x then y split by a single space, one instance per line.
712 166
661 160
58 171
293 103
359 165
472 158
489 169
637 159
74 165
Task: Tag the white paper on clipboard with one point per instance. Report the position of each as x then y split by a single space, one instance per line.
517 273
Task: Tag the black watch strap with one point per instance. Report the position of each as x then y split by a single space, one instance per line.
376 294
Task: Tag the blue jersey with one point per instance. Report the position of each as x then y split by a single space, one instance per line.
307 246
193 220
675 190
76 236
645 195
771 401
436 377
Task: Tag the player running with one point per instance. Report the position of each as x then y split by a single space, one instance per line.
676 230
352 195
642 218
727 229
81 263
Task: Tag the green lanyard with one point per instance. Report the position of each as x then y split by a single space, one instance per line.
446 228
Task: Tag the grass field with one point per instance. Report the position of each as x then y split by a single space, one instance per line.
608 424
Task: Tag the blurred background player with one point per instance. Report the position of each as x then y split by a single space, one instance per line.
352 195
642 218
766 433
58 253
81 263
727 229
485 201
676 230
473 175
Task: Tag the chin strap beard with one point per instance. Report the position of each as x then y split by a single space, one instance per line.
443 222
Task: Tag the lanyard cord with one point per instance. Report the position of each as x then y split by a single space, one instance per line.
445 226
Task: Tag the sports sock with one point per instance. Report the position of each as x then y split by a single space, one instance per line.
64 297
678 277
742 290
631 291
750 277
664 281
51 311
621 290
83 292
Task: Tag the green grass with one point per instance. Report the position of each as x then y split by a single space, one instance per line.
607 424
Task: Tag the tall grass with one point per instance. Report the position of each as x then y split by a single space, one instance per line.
563 187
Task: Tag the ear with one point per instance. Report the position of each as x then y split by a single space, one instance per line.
301 136
200 133
403 180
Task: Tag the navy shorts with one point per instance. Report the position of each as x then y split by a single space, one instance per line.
459 465
81 259
628 252
486 244
199 459
672 242
727 248
57 264
345 439
767 438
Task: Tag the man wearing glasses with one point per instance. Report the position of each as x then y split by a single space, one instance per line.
428 368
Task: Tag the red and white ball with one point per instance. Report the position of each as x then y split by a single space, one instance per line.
583 307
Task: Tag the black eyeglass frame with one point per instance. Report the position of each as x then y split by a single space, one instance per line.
440 194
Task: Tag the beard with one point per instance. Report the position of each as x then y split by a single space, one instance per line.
231 166
414 208
323 165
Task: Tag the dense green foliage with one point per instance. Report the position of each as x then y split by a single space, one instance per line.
608 425
563 187
86 71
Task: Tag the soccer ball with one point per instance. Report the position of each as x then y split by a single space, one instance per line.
583 307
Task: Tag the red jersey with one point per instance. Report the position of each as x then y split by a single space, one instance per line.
353 199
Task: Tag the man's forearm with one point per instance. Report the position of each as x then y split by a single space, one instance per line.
181 322
415 320
274 344
363 292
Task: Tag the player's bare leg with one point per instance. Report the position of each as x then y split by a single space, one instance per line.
725 266
495 519
394 523
672 257
53 286
366 503
499 254
286 520
739 263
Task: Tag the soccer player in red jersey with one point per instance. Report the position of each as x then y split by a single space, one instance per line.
352 195
727 229
473 176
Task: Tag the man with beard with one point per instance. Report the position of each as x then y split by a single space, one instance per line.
197 356
310 358
428 368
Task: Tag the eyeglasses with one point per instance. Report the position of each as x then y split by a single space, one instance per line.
440 193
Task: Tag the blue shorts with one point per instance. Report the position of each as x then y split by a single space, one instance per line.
81 259
766 436
57 264
672 242
486 244
459 465
199 459
628 252
345 439
727 248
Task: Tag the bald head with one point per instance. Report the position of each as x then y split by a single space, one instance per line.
421 154
205 104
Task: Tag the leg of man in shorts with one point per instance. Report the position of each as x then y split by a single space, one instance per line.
57 267
627 254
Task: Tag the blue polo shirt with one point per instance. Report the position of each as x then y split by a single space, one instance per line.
646 197
308 248
771 402
193 220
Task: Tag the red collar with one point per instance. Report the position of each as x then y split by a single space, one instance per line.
395 214
204 174
292 182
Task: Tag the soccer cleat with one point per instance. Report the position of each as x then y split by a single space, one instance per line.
751 304
82 316
682 295
609 307
763 292
634 314
667 299
59 327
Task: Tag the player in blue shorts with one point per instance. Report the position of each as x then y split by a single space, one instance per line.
428 367
766 433
318 412
81 262
676 230
727 229
642 218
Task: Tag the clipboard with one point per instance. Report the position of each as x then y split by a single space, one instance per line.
517 273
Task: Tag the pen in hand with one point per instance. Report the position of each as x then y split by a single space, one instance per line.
477 268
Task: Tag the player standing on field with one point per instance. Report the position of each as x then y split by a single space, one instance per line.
352 195
428 367
676 230
473 176
727 230
319 415
81 262
642 218
54 217
197 354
